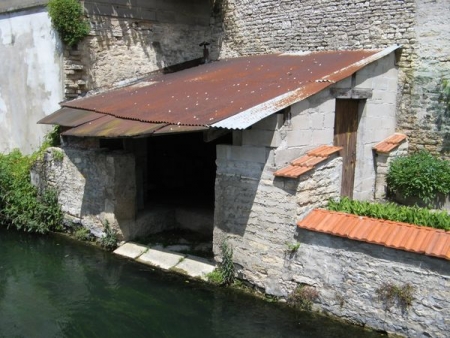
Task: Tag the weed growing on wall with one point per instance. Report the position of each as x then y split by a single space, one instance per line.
67 18
224 274
419 175
392 212
445 95
20 204
83 234
392 294
303 297
292 248
109 241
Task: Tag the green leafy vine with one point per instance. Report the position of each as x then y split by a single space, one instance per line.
67 18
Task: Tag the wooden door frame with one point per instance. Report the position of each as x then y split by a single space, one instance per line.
346 136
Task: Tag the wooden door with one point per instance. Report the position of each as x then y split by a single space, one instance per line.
345 128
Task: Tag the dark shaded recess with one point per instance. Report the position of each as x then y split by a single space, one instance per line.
182 169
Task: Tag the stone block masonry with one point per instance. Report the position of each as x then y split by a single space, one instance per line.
422 27
257 215
129 40
348 274
94 186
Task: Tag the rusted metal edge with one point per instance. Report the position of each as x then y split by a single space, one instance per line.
70 117
255 114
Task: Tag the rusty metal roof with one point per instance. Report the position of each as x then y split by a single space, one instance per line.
69 117
109 126
231 93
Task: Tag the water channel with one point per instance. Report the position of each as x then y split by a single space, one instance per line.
53 286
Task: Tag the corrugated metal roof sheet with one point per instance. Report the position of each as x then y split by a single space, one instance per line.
232 93
402 236
69 117
109 126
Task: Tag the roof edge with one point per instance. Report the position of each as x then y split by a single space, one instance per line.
255 114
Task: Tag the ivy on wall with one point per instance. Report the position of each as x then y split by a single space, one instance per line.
67 18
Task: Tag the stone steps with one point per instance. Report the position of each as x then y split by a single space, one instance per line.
192 266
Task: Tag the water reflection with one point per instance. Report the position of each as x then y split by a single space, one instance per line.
54 287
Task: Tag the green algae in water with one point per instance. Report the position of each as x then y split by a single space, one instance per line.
55 287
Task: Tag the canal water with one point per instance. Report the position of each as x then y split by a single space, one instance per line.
53 286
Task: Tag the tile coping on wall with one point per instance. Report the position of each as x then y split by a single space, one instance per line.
307 162
397 235
390 143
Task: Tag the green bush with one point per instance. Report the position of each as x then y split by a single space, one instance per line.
67 18
419 175
393 212
20 204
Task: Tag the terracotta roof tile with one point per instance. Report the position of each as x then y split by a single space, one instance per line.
397 235
390 143
324 151
307 162
292 171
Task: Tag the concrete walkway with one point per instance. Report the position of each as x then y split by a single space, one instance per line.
168 260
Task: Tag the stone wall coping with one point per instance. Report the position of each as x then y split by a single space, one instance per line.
307 162
390 143
397 235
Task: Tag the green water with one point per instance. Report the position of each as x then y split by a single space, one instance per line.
55 287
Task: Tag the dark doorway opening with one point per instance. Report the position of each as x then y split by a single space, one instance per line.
175 178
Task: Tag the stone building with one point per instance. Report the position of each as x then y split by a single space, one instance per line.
242 149
131 38
247 117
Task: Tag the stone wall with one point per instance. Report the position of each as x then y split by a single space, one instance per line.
94 186
257 214
130 39
382 166
347 275
31 76
421 26
423 115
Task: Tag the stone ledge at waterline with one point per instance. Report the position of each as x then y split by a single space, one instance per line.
190 265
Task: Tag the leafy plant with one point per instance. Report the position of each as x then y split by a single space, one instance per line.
83 234
215 277
53 138
391 294
58 155
227 265
67 18
419 175
392 212
109 241
224 274
20 204
292 247
303 297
